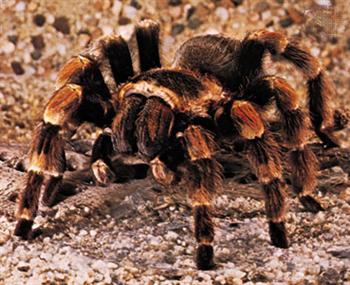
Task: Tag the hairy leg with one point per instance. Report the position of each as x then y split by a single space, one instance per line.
295 128
263 154
202 178
321 90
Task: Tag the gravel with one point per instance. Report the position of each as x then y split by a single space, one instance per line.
127 241
136 233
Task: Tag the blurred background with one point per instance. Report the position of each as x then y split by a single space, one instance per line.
38 37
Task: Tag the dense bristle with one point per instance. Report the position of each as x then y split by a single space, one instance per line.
303 164
302 59
154 127
147 35
275 200
205 257
118 54
278 234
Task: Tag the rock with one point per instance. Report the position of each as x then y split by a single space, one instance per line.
8 47
61 24
13 39
129 12
194 23
175 2
297 16
237 2
38 42
286 22
261 6
17 67
39 20
177 29
222 14
23 266
135 4
20 6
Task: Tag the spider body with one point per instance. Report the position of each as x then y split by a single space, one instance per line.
174 119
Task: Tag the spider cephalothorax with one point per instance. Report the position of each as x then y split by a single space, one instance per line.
175 118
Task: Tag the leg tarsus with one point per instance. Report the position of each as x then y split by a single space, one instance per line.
51 191
205 257
278 234
310 204
24 228
102 174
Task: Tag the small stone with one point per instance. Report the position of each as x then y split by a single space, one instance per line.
38 42
36 54
8 48
286 22
23 266
39 20
117 7
124 21
222 14
61 24
297 16
17 67
262 6
175 2
190 10
83 40
129 12
237 2
20 7
194 23
61 49
135 4
13 39
177 29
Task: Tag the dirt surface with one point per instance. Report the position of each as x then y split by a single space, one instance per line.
137 233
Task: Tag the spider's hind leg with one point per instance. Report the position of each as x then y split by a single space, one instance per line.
321 90
295 128
263 154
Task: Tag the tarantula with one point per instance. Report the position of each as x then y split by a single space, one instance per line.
174 119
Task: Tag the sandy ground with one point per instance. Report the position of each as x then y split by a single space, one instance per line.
129 234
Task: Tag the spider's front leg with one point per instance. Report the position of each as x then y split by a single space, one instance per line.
263 154
202 177
47 157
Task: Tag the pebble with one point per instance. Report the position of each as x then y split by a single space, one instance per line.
8 48
222 13
17 67
261 6
297 16
194 23
117 7
39 20
129 12
61 49
20 6
61 24
38 42
136 4
13 39
175 2
286 22
177 29
237 2
23 266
